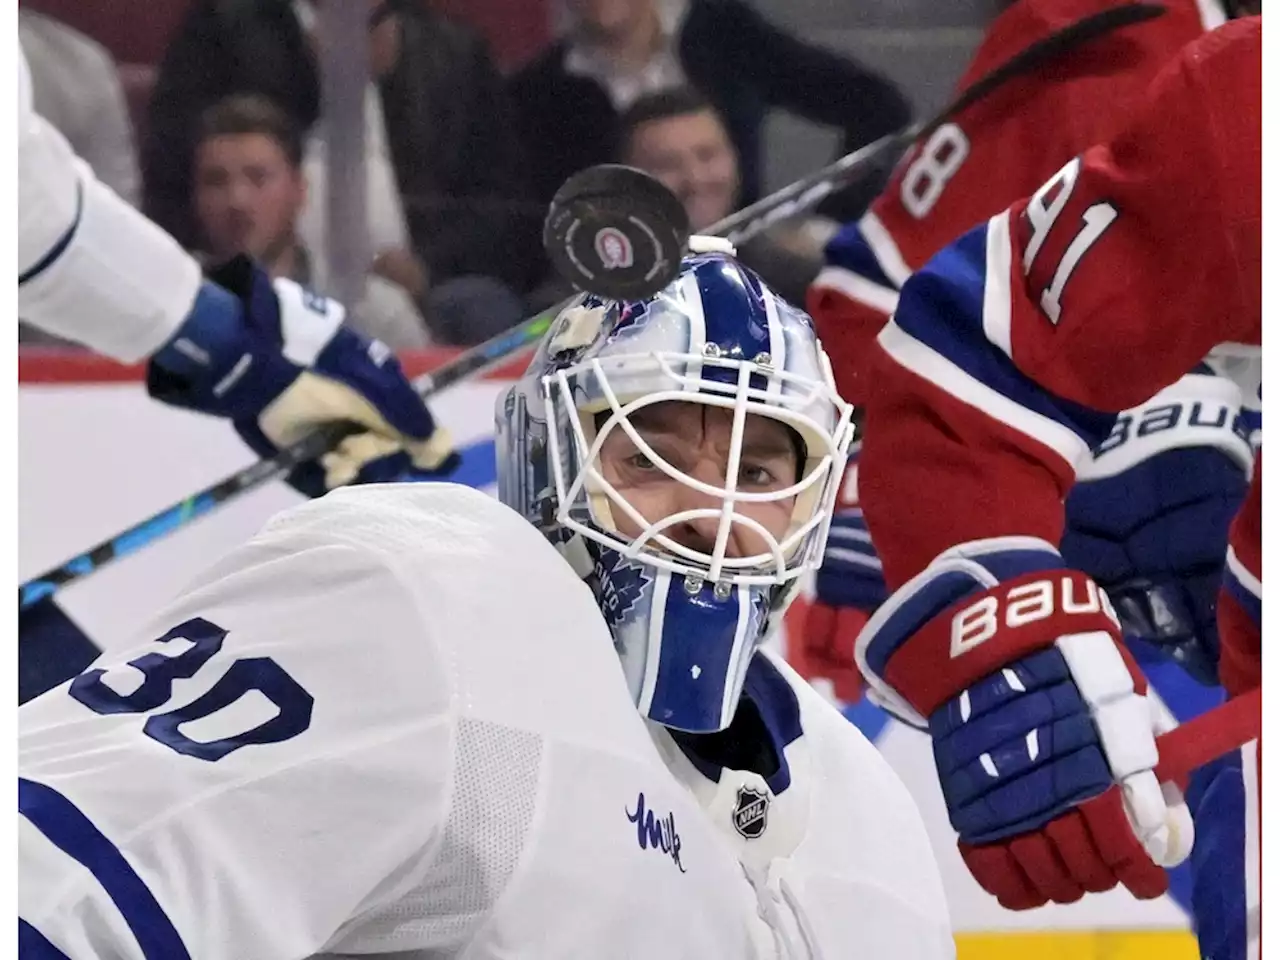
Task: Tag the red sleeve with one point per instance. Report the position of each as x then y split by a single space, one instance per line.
1240 603
1107 285
998 150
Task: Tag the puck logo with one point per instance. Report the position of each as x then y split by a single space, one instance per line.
614 249
751 813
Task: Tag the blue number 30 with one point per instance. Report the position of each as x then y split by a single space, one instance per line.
159 671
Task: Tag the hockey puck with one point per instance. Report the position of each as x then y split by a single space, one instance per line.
616 232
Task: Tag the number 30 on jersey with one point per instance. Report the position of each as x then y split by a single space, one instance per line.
186 650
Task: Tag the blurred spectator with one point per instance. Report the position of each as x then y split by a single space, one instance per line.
568 100
76 87
679 138
250 190
437 112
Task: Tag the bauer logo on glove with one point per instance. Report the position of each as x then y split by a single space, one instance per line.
1024 605
1043 735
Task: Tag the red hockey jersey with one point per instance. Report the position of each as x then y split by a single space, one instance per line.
1001 148
1011 349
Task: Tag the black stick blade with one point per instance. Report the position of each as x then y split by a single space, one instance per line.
616 232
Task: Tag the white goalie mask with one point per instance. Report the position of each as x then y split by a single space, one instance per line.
686 614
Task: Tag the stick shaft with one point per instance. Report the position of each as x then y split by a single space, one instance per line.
158 525
808 192
1212 734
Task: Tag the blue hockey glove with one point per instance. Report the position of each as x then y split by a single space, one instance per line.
1042 734
275 359
1148 518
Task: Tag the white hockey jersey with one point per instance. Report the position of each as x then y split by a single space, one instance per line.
832 841
392 723
90 267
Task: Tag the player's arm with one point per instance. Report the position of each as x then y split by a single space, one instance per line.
270 770
1009 355
1012 350
90 267
272 357
853 297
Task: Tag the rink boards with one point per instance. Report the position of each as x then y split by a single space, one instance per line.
78 415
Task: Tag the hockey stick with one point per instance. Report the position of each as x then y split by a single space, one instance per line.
809 191
1204 738
474 361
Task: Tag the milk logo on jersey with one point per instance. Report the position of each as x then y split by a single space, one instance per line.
654 833
614 249
751 812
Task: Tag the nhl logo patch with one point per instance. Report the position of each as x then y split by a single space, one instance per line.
751 813
614 249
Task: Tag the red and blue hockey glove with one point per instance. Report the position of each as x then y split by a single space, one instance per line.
275 359
1149 515
1042 733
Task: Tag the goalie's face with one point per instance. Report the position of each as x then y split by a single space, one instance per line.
697 440
683 454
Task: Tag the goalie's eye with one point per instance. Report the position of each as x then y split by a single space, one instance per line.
755 475
641 463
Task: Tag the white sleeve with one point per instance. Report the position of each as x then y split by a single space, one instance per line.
90 267
264 781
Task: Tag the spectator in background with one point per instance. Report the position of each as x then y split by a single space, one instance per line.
567 102
250 190
438 113
75 85
388 230
677 136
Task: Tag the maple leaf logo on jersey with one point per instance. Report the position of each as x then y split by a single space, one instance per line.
751 813
621 588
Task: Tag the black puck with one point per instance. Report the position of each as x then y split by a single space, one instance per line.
615 231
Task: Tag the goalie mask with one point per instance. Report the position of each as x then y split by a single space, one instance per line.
683 453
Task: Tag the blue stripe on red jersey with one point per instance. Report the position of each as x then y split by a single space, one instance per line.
952 286
850 251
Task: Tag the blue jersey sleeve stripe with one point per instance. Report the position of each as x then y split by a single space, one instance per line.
32 944
942 307
70 831
850 251
59 248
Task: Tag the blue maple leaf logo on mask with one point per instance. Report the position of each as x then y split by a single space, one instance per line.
620 588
